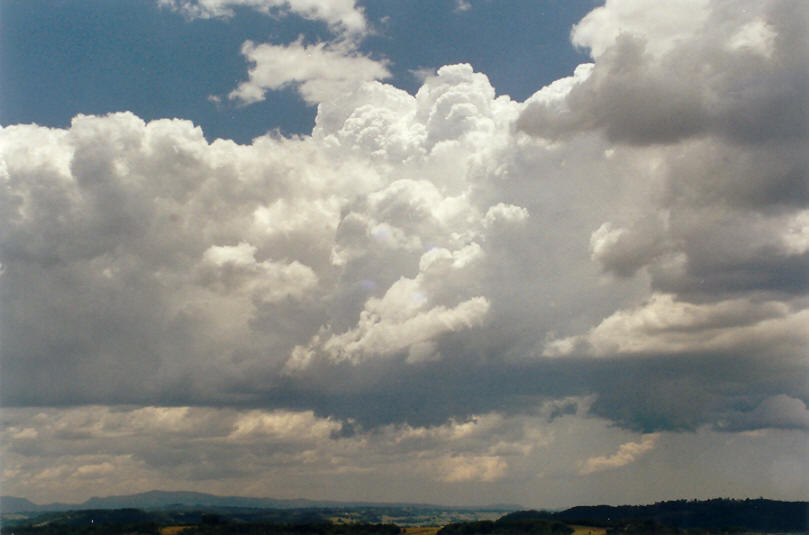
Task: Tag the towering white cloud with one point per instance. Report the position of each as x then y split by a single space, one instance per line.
695 95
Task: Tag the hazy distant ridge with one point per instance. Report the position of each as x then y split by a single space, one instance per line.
10 504
158 499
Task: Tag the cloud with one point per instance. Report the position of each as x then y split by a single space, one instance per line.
628 453
406 317
342 15
287 453
439 288
680 21
462 5
378 337
141 447
781 412
502 213
664 325
683 70
319 71
233 270
482 468
94 471
419 258
623 251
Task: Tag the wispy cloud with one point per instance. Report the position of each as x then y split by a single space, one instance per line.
627 453
341 15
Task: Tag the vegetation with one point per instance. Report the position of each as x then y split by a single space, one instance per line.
520 523
293 529
210 524
720 516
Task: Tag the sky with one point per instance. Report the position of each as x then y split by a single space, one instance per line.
460 252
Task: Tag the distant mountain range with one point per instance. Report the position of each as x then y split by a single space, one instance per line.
158 499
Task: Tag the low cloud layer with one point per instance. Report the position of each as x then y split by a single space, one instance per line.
636 236
531 459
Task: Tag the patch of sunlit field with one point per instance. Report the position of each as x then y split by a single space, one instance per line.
418 530
588 530
172 530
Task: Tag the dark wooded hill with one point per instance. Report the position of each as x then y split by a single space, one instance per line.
752 515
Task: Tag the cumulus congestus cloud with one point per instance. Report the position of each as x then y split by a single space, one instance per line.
628 246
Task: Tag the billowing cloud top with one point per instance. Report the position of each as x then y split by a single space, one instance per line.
635 236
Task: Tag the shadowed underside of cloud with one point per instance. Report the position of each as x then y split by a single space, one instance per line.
637 235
